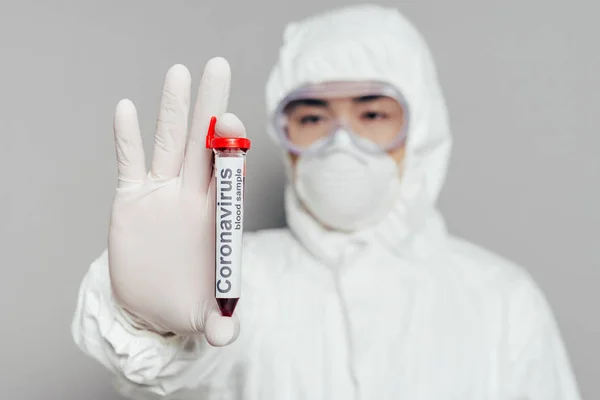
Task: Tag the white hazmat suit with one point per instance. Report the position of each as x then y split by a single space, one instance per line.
398 310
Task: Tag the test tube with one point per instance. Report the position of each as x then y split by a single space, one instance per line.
230 179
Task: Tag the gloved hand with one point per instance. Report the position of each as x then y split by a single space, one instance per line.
161 238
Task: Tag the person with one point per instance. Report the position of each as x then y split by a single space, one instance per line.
365 295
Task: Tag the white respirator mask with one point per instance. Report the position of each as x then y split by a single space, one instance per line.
345 187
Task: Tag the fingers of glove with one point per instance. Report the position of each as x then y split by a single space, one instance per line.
230 126
213 94
221 331
131 166
171 129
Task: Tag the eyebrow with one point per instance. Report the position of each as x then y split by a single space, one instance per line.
367 99
324 103
305 102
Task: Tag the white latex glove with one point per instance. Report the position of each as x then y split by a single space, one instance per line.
161 238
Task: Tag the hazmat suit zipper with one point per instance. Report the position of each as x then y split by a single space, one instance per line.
337 270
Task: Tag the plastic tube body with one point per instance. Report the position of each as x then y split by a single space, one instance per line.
230 173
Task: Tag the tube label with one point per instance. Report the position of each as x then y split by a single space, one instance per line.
230 179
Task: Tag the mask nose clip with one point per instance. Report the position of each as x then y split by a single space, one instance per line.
341 135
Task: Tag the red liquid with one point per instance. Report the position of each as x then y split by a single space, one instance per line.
227 306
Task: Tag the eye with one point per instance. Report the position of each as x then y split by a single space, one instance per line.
373 115
311 119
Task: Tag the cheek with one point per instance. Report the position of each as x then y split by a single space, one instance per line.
398 155
293 161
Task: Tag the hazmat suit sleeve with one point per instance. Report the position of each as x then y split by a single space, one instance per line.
147 365
540 368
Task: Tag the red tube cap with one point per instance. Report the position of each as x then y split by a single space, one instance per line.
213 142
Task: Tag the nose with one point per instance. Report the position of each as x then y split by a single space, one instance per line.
341 136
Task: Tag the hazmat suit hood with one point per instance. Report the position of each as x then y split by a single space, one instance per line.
371 43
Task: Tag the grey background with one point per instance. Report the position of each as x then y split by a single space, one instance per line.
521 79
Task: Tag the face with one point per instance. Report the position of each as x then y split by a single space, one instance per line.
376 118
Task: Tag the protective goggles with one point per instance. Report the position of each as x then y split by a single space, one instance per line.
375 115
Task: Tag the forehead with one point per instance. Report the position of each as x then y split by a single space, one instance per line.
331 93
335 103
337 90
